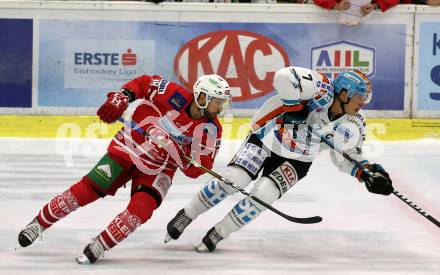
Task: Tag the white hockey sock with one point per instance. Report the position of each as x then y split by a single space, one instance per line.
210 195
241 214
247 209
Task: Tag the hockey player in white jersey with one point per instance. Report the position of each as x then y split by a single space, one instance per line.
286 137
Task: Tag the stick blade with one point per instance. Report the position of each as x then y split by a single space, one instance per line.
433 220
309 220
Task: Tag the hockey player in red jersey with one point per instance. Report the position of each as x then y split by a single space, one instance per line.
176 121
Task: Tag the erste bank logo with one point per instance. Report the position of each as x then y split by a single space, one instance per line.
104 58
247 60
334 58
105 63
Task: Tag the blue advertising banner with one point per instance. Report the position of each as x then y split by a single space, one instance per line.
16 63
428 92
81 60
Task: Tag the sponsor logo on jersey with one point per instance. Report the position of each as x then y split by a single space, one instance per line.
250 157
289 173
325 86
361 118
105 169
163 84
334 58
159 84
296 84
175 132
247 60
284 176
177 101
162 183
345 130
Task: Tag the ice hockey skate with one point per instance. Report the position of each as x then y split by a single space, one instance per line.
91 253
209 242
176 226
31 232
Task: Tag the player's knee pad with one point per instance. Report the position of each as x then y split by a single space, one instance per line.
266 190
237 176
142 206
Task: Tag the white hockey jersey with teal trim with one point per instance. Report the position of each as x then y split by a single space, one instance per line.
303 141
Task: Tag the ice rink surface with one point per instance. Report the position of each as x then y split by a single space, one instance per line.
361 233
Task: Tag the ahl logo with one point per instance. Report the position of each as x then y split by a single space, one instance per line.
247 60
332 59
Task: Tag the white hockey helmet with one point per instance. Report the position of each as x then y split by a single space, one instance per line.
213 86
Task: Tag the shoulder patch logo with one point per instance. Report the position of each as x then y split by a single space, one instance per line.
177 101
163 84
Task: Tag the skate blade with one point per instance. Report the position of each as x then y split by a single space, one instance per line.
201 248
167 238
82 259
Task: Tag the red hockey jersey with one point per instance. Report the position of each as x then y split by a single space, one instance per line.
164 114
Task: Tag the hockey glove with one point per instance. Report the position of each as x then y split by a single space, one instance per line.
113 107
380 182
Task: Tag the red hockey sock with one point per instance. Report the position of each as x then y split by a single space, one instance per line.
63 204
139 210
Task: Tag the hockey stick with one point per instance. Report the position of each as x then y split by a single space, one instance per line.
395 192
309 220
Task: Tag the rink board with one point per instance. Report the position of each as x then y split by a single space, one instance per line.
236 128
247 43
39 77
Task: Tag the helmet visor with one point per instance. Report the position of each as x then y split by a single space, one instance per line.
364 96
223 103
368 94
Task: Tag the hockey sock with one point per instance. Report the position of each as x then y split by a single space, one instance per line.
63 204
139 210
210 195
247 209
241 214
